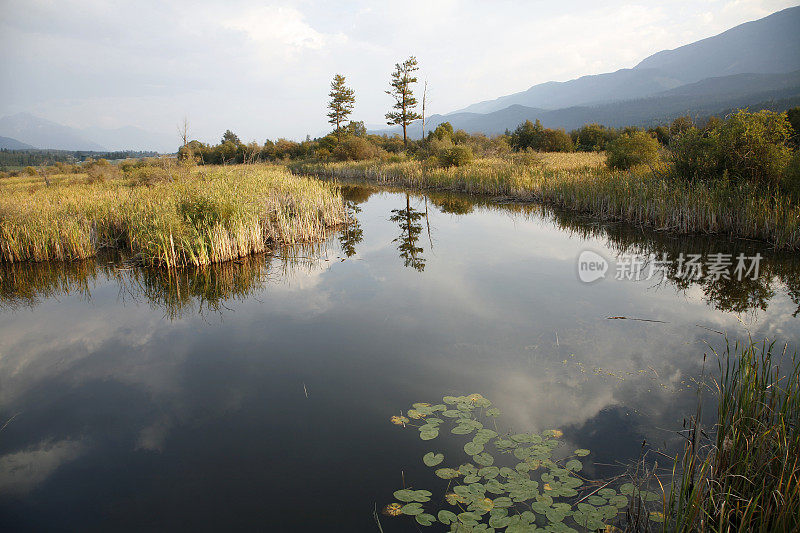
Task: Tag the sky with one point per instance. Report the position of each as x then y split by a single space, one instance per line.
263 69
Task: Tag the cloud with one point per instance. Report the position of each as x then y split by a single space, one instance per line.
21 472
263 70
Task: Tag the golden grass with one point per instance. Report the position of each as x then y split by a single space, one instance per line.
580 182
204 216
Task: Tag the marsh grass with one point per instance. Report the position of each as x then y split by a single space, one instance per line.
581 183
201 217
745 475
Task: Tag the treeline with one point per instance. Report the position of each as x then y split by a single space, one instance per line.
352 142
16 159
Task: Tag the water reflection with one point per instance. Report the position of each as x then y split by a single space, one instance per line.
25 285
174 292
138 408
408 220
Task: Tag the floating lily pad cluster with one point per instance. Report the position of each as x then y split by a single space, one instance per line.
519 496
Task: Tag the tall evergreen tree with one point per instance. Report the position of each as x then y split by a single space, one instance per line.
341 104
404 101
229 136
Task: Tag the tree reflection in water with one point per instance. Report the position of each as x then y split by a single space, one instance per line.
410 228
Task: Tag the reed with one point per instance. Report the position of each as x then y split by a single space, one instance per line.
194 219
745 475
579 182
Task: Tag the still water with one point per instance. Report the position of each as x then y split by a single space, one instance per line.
257 395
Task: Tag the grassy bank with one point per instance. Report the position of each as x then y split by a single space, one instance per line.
581 182
187 217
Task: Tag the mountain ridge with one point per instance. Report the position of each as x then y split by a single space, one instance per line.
9 143
766 45
713 96
40 133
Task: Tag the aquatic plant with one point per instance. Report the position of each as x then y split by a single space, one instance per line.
509 482
745 475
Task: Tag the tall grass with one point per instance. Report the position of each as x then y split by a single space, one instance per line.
746 476
578 182
202 217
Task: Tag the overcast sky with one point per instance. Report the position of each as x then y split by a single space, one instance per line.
263 69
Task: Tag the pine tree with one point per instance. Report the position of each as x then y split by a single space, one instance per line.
402 78
341 104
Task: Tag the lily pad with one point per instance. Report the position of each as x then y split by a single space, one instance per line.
412 509
404 495
484 459
432 459
425 519
503 502
489 472
472 478
574 465
495 487
462 429
428 432
582 452
447 517
619 501
473 448
447 473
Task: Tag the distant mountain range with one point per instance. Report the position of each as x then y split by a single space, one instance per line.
7 143
755 64
34 132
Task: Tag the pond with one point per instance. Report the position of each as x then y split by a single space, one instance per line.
258 394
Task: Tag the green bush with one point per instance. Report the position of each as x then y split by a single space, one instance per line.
695 155
442 131
456 156
593 137
754 146
793 115
631 149
356 149
556 141
791 178
747 147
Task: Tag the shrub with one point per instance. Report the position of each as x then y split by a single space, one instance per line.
631 149
356 149
100 170
149 175
30 171
556 141
593 137
442 131
681 125
791 177
456 156
661 133
527 135
695 155
754 146
534 135
793 115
